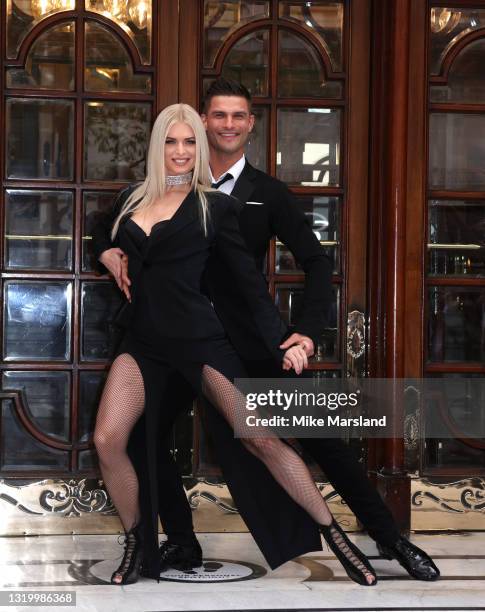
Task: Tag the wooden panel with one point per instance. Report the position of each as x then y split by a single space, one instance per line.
190 29
416 192
167 55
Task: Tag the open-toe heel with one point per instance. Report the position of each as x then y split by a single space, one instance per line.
353 560
129 570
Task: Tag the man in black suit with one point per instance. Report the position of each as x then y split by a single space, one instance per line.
268 210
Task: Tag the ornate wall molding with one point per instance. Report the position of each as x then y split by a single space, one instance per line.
456 504
83 506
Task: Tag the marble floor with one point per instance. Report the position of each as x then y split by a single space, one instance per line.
235 577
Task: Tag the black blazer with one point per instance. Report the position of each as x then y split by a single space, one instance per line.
269 209
169 268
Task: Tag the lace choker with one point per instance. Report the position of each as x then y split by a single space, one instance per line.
178 179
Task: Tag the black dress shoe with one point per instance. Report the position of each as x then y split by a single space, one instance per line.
415 561
180 557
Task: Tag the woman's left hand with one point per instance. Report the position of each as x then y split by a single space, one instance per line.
296 358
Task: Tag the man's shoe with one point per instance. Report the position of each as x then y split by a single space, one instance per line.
415 561
180 557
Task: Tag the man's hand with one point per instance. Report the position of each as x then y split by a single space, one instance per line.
304 341
112 260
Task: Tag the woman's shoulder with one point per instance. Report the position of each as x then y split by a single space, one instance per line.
125 192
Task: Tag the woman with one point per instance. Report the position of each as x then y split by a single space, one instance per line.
169 226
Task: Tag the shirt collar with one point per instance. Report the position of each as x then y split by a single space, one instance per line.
235 170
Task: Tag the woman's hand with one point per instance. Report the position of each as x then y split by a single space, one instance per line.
112 259
296 358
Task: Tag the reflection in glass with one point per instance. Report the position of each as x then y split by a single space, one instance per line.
450 453
300 70
466 81
116 140
108 65
324 18
100 303
464 406
448 26
456 237
456 151
40 139
37 320
38 230
323 216
134 17
256 147
46 397
308 147
49 63
456 324
455 403
88 460
23 16
289 299
20 451
247 62
95 204
223 18
90 389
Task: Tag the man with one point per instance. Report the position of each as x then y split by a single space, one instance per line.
269 210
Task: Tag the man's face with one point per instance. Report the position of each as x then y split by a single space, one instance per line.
228 122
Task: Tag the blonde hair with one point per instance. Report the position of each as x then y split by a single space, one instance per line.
153 187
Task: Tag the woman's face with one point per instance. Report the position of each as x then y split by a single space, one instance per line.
179 149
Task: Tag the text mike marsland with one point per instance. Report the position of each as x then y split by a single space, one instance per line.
310 421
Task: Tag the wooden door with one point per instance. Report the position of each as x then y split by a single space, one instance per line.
307 68
447 286
81 81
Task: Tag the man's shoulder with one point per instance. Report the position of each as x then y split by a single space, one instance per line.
265 179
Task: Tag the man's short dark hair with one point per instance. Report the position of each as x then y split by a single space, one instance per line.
225 87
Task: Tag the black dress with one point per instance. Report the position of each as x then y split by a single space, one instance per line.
171 327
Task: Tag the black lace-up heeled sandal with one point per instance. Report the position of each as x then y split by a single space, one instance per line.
129 570
354 562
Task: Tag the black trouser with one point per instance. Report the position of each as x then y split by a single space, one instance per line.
336 459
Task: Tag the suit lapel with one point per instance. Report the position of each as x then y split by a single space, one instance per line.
245 186
185 214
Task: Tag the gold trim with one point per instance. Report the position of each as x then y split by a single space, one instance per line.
26 237
466 247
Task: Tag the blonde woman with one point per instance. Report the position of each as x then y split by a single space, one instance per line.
170 226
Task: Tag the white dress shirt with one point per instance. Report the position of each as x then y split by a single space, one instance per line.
235 170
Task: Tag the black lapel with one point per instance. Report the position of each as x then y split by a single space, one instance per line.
186 213
245 185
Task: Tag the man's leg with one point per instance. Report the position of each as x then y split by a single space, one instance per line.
181 550
350 481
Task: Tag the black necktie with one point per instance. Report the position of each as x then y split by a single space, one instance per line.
226 177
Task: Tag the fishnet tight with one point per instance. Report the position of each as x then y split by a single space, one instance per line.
121 406
286 466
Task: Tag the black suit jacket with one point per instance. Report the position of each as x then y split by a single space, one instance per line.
166 273
269 210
